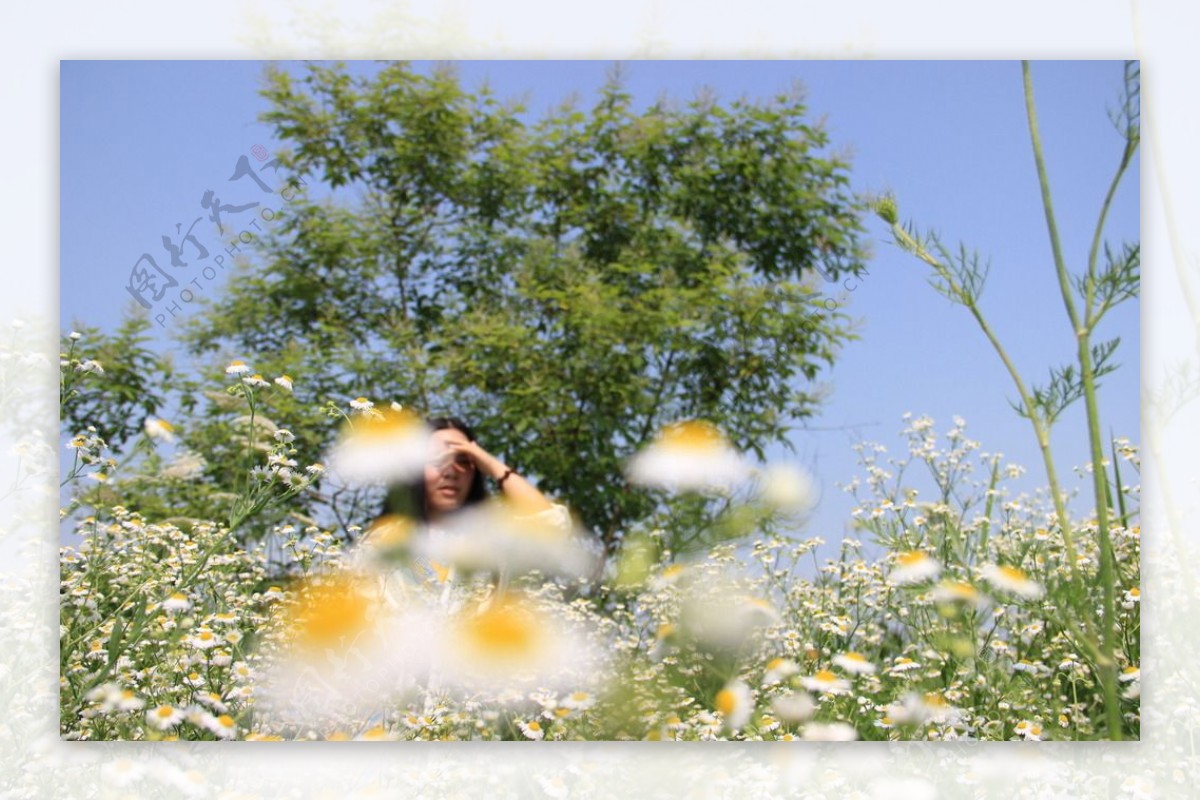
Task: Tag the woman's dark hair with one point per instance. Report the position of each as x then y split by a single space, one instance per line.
409 499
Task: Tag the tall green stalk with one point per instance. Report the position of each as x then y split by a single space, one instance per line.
960 278
1083 331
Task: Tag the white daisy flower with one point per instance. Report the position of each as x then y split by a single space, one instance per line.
236 367
164 717
1131 673
203 639
213 701
956 591
90 366
284 436
177 602
830 732
914 567
1029 730
122 772
531 729
128 701
793 707
787 489
157 428
579 700
691 455
75 336
382 448
903 664
779 669
854 662
1012 579
222 725
255 380
735 702
361 404
284 381
825 681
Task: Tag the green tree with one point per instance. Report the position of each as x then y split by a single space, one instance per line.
569 285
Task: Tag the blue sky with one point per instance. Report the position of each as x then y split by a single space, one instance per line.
142 141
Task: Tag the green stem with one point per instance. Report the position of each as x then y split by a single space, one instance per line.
1107 662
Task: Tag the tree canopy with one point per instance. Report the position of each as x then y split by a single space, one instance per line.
569 284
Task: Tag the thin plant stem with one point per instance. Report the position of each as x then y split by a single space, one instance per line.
1107 663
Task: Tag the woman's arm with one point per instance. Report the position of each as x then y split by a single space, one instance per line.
520 493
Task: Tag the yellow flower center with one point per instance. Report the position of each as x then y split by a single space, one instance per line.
692 435
726 702
911 558
825 675
507 630
330 611
165 712
535 726
1012 573
390 531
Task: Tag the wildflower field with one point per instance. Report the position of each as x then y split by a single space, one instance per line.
623 300
955 614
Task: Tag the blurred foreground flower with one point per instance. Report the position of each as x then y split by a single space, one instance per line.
516 643
692 455
382 447
735 702
157 428
914 567
788 490
495 537
1012 579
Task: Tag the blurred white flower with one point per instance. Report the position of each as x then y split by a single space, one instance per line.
952 591
779 669
1012 579
164 717
361 404
793 707
692 455
157 428
788 489
1029 730
830 732
255 380
493 536
735 702
185 465
824 681
913 567
236 367
381 448
717 611
531 729
515 643
854 662
177 602
284 381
